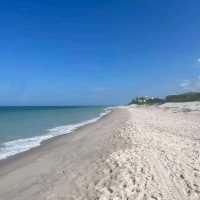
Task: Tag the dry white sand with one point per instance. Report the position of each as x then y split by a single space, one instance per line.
184 107
134 153
163 161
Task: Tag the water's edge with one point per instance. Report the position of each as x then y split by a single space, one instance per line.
14 147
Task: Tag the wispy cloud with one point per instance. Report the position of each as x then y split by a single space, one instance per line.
198 59
191 85
185 84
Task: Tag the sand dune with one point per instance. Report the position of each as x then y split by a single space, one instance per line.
183 107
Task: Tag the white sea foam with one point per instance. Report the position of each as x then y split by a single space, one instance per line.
18 146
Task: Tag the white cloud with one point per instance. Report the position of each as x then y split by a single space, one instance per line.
198 59
185 84
191 85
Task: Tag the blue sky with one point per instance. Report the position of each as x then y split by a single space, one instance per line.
60 52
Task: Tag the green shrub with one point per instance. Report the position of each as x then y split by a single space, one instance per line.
185 97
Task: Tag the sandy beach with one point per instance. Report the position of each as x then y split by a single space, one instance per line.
135 152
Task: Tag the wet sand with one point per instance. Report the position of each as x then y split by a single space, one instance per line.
61 167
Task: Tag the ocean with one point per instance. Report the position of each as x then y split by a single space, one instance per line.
22 128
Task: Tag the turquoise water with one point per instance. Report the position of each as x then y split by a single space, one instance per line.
22 128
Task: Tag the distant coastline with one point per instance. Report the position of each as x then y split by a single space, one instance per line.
183 97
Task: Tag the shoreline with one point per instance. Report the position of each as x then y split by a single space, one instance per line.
53 133
71 154
36 149
135 152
